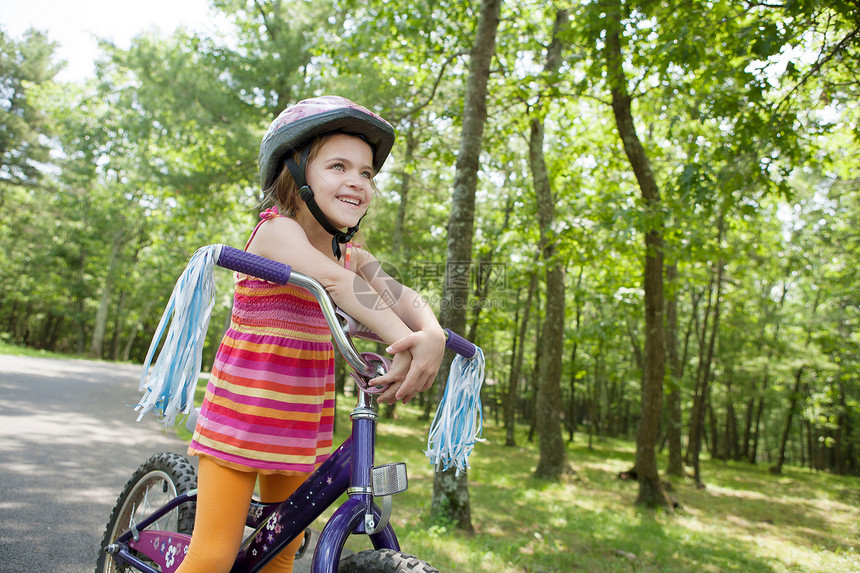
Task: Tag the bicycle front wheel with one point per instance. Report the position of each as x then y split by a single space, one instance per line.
160 479
383 561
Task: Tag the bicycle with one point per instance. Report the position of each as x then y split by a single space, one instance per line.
149 528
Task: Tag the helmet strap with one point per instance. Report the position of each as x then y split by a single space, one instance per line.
338 237
297 170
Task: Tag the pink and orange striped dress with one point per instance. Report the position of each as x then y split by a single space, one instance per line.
269 403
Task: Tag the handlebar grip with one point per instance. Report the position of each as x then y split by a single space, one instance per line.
279 273
254 265
460 345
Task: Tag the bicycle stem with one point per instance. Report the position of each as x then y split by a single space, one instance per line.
339 330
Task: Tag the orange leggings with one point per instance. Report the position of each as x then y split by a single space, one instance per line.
223 498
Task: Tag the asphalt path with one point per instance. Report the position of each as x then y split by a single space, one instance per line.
68 443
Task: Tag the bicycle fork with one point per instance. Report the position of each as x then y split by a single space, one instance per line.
359 514
348 470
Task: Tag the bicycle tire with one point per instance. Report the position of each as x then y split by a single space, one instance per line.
383 561
159 479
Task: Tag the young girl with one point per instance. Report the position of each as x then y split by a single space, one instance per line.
269 405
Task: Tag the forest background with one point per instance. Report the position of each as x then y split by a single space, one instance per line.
661 223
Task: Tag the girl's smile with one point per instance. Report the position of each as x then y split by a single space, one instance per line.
341 177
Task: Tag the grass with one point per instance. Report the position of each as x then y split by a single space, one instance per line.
8 348
747 519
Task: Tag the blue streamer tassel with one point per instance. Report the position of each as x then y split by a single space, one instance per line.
169 386
459 420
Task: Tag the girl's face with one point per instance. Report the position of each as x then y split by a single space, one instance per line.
340 176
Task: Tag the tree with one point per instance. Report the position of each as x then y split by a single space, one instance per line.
24 127
676 369
650 489
517 351
268 65
450 490
745 110
706 358
552 463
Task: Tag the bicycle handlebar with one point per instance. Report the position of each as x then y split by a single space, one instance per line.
254 265
460 345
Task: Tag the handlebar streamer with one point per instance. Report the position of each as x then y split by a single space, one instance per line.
169 387
459 420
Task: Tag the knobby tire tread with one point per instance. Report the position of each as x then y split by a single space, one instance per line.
184 479
383 561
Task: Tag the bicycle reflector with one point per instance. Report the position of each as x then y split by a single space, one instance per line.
388 479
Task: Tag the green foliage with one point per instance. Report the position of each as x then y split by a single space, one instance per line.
25 65
747 111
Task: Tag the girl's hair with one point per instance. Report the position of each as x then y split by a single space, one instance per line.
284 193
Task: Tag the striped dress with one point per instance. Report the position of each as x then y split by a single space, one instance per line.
269 403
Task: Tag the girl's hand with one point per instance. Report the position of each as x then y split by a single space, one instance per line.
398 372
425 350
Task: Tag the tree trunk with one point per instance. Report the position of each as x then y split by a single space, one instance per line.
571 407
673 397
592 395
696 417
795 393
753 452
138 326
752 449
55 334
748 419
650 489
552 462
97 340
716 446
731 445
450 501
517 365
706 358
12 320
118 324
842 436
792 406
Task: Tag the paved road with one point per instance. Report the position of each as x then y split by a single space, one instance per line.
68 443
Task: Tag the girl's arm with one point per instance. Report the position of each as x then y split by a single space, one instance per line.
284 240
427 341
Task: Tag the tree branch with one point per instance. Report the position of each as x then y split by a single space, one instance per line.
414 110
265 19
843 43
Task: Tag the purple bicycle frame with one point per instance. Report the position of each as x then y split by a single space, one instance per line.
347 470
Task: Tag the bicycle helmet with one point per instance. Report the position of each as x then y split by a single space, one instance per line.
295 128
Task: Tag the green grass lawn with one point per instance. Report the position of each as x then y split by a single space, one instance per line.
745 520
7 348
